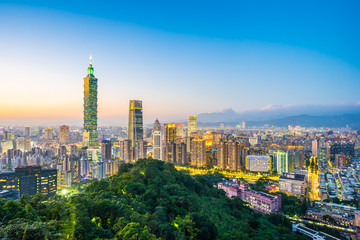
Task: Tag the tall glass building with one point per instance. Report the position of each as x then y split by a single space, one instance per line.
90 136
281 161
157 140
191 124
135 127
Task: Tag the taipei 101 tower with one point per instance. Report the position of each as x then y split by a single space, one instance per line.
90 135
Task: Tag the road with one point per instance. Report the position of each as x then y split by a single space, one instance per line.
252 178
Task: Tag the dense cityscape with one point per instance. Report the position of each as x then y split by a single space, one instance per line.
209 120
262 166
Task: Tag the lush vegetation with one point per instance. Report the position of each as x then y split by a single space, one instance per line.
147 200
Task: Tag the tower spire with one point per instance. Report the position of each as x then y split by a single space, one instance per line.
90 68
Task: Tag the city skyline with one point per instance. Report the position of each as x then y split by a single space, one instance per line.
177 67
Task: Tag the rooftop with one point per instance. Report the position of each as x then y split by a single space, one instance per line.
292 176
262 194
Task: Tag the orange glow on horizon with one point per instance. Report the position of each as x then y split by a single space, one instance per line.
39 111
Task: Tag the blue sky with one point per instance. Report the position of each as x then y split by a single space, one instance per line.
180 57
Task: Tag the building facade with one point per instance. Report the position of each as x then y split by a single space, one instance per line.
30 180
170 133
198 152
157 140
229 155
64 134
256 163
106 147
135 126
90 135
293 184
192 125
259 201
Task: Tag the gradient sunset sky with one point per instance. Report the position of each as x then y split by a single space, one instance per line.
180 57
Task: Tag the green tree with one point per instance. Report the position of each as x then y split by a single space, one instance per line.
133 231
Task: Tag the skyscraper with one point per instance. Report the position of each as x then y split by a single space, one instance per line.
179 130
315 147
139 150
64 134
135 127
106 149
174 152
170 132
157 126
157 141
281 162
27 132
48 134
125 151
90 136
229 155
191 124
198 152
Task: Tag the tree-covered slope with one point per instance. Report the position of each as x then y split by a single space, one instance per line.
147 200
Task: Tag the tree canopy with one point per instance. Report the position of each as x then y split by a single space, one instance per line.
146 200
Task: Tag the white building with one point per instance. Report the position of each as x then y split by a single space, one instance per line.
293 184
253 140
258 163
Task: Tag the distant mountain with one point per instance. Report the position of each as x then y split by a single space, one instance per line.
226 115
352 120
304 120
335 115
275 112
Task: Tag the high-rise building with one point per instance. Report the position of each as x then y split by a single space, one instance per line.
157 126
90 135
281 162
179 130
198 152
169 133
48 134
180 152
99 170
27 144
157 140
229 155
315 147
75 168
174 153
322 157
27 132
293 159
64 134
84 166
106 149
192 125
212 138
20 143
139 150
135 127
125 151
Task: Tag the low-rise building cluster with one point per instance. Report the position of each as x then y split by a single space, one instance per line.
259 201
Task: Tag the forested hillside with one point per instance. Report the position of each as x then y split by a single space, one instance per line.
147 200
